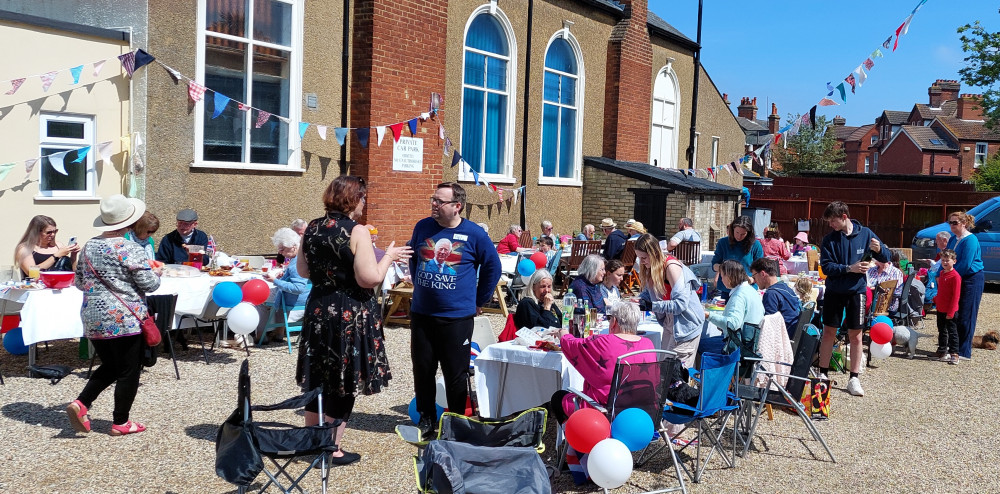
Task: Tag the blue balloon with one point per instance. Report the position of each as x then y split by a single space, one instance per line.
13 342
884 319
633 427
415 416
525 267
227 294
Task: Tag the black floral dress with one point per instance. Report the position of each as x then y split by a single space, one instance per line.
342 347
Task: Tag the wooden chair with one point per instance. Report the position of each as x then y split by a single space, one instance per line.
688 252
499 293
581 249
525 240
631 280
399 300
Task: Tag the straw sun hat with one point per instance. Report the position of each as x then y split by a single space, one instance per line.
117 212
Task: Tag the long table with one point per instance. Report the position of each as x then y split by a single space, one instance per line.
535 374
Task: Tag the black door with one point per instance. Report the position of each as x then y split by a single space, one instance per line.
651 210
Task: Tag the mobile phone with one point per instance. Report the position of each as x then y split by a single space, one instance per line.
72 240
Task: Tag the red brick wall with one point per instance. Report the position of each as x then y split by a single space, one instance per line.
398 59
902 157
629 89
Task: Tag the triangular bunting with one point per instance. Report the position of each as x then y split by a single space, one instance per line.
322 131
56 162
81 154
142 58
5 169
302 129
363 135
76 72
380 133
861 76
447 145
827 102
341 134
29 164
456 158
47 79
262 118
413 127
15 85
829 88
221 101
887 42
869 63
242 107
397 130
440 131
877 53
128 62
100 65
195 91
812 116
104 150
850 80
843 92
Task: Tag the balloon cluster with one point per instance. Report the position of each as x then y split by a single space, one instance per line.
13 342
241 301
881 334
610 445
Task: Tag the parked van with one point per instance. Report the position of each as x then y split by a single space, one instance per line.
987 214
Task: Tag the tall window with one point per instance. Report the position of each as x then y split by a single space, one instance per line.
875 162
981 150
560 112
251 53
61 132
715 151
486 97
867 164
663 136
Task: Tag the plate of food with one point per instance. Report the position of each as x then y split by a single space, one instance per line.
180 271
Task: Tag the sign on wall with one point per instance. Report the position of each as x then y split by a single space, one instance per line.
408 154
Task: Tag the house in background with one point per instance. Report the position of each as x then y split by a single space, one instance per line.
758 133
857 143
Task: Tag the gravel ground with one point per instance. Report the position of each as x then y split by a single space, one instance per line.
923 427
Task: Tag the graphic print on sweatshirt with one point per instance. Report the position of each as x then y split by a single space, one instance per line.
437 259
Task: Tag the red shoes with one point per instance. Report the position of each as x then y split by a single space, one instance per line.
127 428
78 416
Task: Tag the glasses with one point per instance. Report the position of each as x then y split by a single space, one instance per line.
954 222
51 232
438 202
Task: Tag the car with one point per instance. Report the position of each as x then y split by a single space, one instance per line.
986 214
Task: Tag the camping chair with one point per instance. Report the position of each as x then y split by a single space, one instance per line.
805 317
905 312
774 394
581 249
242 442
709 417
688 252
211 314
631 280
524 241
290 327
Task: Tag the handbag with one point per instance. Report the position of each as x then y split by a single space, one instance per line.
150 331
816 398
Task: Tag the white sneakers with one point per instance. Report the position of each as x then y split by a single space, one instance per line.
854 387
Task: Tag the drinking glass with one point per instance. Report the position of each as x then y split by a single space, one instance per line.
34 272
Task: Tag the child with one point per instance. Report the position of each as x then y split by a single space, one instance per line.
949 286
803 288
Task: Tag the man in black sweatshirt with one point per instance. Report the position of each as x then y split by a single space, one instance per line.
778 296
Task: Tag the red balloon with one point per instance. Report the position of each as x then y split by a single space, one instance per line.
539 259
585 428
256 291
881 333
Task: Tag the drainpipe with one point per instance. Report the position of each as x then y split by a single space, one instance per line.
527 100
344 76
694 98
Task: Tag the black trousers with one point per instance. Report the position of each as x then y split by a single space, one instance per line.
121 365
947 333
443 340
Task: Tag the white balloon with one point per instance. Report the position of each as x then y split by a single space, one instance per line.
610 463
243 318
881 351
441 398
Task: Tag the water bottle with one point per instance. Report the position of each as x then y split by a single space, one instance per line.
569 305
586 318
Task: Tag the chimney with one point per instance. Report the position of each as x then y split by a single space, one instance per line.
773 120
725 98
628 86
968 107
747 109
942 90
839 120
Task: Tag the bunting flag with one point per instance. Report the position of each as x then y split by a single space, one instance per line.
424 116
455 159
868 65
861 76
413 127
141 59
242 107
915 9
47 79
812 116
76 72
784 129
81 154
877 53
397 130
850 80
843 92
56 162
262 118
887 42
302 129
196 92
902 30
104 150
380 133
341 134
440 131
128 62
711 173
322 131
15 85
447 145
363 135
5 169
827 102
474 174
221 101
100 65
29 164
777 137
829 88
730 172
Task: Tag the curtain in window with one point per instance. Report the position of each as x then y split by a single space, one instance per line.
559 111
485 95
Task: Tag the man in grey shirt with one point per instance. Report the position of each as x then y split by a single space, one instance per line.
685 233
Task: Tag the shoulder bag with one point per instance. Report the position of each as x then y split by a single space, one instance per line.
150 332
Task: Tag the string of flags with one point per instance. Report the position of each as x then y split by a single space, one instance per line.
130 62
58 160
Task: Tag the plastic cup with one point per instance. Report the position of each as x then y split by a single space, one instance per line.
34 272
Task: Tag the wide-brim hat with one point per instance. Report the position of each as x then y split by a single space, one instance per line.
802 237
638 226
118 211
608 223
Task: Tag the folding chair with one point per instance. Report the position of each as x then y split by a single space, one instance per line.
290 327
688 252
211 314
631 280
242 442
774 393
805 317
162 307
524 241
715 405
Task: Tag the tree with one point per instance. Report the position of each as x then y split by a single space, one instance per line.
982 67
811 150
987 176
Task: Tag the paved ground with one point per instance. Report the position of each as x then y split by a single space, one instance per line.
923 427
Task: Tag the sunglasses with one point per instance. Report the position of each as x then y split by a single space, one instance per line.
52 232
954 222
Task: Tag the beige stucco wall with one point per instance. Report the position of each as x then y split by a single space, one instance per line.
241 208
32 51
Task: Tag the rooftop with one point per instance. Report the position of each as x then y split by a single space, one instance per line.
659 176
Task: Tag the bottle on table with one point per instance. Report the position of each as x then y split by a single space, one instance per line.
569 305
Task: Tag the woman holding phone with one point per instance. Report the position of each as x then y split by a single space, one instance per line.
38 247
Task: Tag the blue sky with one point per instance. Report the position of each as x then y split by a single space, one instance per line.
785 51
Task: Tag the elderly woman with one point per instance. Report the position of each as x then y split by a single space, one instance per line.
614 273
595 357
293 289
969 265
510 243
538 308
38 246
547 232
114 276
740 246
342 348
587 285
634 229
142 233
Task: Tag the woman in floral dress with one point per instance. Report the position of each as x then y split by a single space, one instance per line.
342 348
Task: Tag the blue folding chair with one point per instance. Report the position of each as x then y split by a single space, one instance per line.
290 327
716 376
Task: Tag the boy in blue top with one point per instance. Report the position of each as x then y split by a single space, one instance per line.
842 256
777 296
450 251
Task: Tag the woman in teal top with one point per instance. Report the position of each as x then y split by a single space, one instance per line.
969 265
741 245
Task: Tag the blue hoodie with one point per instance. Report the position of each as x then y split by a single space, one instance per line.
839 252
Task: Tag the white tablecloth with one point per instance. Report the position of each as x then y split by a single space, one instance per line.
647 329
796 265
48 314
511 378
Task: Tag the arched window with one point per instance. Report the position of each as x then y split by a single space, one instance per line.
663 137
561 97
486 96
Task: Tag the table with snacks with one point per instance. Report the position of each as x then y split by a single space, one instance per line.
533 376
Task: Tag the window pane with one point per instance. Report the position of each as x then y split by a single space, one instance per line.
550 140
550 88
486 34
475 69
76 178
560 57
568 94
668 114
225 72
269 144
567 136
496 133
67 130
226 16
472 128
496 74
272 22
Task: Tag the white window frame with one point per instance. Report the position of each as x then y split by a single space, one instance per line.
874 140
294 88
578 142
867 165
715 150
980 157
666 71
694 151
507 177
67 144
875 162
